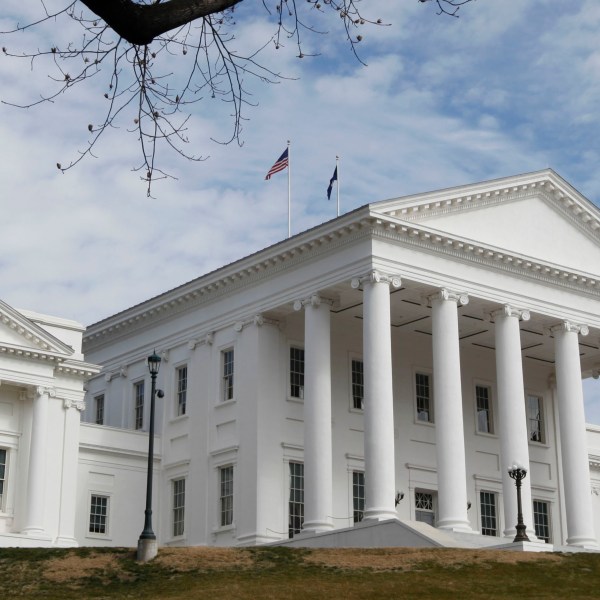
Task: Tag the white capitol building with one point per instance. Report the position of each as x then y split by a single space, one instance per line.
365 382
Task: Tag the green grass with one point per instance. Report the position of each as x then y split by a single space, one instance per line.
281 573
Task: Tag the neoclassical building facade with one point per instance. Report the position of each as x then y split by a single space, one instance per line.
385 367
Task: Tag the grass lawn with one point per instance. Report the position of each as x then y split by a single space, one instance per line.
280 573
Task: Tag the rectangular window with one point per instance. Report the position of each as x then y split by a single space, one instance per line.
358 384
483 396
424 507
358 495
99 406
489 521
535 419
2 476
138 404
226 495
297 373
541 520
178 507
423 395
296 504
181 390
98 514
227 359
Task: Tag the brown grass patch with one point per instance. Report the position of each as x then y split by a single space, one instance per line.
203 558
71 568
407 559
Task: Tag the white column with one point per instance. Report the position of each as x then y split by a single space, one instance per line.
576 473
36 477
68 486
318 469
512 417
380 473
448 414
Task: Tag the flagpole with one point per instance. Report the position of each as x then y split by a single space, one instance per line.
289 192
337 166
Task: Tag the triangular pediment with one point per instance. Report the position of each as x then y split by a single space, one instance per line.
538 216
17 331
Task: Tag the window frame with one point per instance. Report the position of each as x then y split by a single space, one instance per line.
99 404
295 516
539 525
490 410
178 485
358 496
419 510
357 384
293 375
139 401
227 368
431 413
226 496
541 419
96 515
181 393
483 514
3 477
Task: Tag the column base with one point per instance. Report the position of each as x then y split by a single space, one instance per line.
380 514
66 542
455 525
146 550
584 542
36 532
316 526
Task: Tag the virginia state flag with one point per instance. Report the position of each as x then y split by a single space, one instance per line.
334 178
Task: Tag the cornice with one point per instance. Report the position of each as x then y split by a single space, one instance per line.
31 353
557 192
232 278
434 241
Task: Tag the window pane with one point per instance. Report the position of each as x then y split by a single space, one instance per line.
138 390
424 508
226 495
2 474
181 390
484 414
489 523
541 520
296 502
423 393
227 374
178 507
296 372
358 495
99 402
535 424
358 384
98 514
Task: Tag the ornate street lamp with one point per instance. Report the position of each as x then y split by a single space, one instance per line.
518 473
147 545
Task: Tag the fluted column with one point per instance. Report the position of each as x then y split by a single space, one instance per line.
512 416
380 474
448 414
36 477
318 469
576 474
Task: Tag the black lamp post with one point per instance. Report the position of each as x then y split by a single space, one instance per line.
519 473
147 546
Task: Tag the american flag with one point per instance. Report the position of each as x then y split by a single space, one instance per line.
280 164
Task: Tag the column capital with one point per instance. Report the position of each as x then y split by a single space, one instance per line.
376 277
258 320
461 298
312 300
78 404
510 311
41 390
570 327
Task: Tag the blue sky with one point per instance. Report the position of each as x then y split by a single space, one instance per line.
510 87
